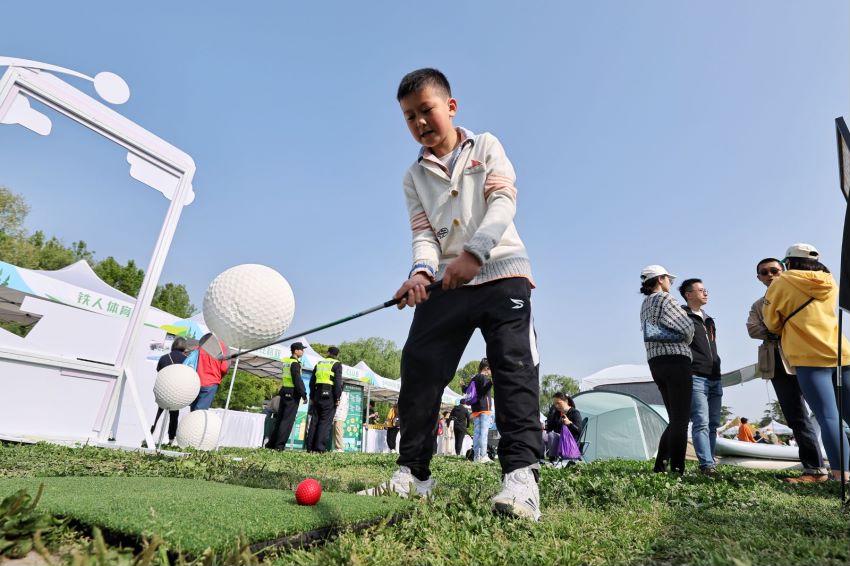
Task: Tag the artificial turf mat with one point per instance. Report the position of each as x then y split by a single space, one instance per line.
191 514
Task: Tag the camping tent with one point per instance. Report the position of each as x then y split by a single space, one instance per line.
618 426
627 378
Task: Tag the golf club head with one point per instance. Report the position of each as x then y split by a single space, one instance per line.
210 344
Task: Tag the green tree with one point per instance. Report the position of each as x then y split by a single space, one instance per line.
173 299
13 211
126 278
18 251
380 354
249 391
52 254
320 348
725 414
551 383
81 251
464 374
772 412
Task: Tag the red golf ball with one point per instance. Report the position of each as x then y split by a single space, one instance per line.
308 492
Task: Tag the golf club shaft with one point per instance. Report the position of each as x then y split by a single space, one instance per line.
392 302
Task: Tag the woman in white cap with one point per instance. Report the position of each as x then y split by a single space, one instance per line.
800 307
667 334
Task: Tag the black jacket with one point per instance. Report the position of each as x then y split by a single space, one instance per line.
460 417
706 362
554 424
483 386
172 357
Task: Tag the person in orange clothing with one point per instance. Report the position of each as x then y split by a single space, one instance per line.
745 431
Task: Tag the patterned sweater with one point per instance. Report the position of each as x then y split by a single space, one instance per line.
470 208
661 306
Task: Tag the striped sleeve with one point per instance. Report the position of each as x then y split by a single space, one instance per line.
500 195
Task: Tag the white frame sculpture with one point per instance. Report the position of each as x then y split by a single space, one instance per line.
153 162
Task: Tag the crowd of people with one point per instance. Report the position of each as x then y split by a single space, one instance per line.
796 323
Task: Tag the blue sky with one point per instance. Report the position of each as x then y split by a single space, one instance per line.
695 135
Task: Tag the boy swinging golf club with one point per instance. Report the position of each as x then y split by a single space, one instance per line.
461 201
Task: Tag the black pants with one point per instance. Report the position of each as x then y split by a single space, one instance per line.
392 434
794 408
439 333
285 418
321 423
672 375
460 434
172 422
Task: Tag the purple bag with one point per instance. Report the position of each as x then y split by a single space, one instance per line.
568 448
471 395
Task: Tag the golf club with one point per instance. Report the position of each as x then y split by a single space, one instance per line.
392 302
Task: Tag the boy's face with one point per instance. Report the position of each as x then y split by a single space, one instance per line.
429 114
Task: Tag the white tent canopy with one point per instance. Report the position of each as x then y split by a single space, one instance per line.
73 314
776 427
618 426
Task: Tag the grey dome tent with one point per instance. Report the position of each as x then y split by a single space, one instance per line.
619 425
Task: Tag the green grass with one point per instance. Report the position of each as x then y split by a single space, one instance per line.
192 515
602 513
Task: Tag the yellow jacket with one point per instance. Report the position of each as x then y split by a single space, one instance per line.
810 337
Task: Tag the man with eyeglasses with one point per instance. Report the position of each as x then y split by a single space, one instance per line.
707 393
775 367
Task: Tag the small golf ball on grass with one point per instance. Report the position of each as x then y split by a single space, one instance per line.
249 305
308 492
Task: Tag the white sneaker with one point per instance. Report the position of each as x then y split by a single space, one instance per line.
402 480
485 460
519 496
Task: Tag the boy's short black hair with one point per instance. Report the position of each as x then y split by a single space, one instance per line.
687 285
419 79
744 420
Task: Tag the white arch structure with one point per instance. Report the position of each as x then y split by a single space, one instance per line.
152 161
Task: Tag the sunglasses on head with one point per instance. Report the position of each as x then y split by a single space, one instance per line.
771 270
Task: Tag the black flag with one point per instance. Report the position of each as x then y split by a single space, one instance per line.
842 136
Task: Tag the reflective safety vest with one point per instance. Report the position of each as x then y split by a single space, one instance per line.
286 378
324 371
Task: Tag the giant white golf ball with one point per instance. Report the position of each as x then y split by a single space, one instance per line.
199 429
176 386
249 305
